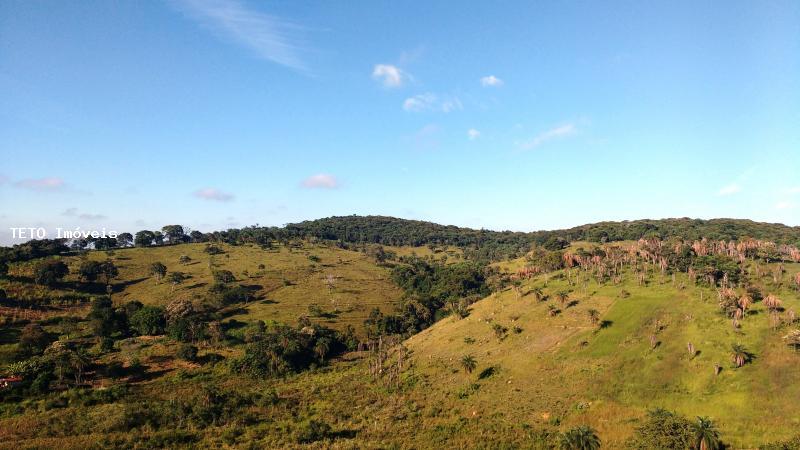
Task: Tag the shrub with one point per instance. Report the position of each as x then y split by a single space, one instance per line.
311 431
187 352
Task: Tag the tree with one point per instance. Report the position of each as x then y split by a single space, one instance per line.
594 316
174 233
158 270
580 438
662 429
148 321
706 436
158 237
176 278
33 340
109 271
224 276
196 236
144 238
89 271
772 302
468 363
739 355
124 239
49 272
562 297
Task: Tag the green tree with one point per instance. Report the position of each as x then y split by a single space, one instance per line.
48 273
89 271
580 438
174 233
158 270
144 238
124 239
108 271
706 436
739 355
468 363
148 320
662 429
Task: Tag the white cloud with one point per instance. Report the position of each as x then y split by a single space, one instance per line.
269 37
473 134
41 184
784 205
730 189
391 76
213 194
86 216
431 102
554 133
793 190
321 181
491 80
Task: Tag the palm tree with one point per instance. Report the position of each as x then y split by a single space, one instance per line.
745 301
468 363
538 294
739 355
580 438
594 316
706 436
772 302
562 297
552 310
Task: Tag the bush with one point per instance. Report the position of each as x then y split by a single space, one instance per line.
187 352
662 429
311 431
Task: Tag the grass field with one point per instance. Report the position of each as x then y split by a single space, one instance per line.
292 280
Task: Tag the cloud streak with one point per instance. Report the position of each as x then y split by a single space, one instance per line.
321 181
269 37
41 184
730 189
431 102
549 135
212 194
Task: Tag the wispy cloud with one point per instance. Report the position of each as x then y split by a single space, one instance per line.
431 102
473 134
269 37
793 190
730 189
41 184
549 135
321 181
390 76
784 205
213 194
73 212
491 80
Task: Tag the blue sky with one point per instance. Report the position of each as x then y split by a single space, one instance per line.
503 115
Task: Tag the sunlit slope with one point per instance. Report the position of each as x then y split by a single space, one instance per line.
345 285
563 370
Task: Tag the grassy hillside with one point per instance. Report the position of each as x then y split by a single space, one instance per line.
565 370
292 280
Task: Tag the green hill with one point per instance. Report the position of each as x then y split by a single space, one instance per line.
328 342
